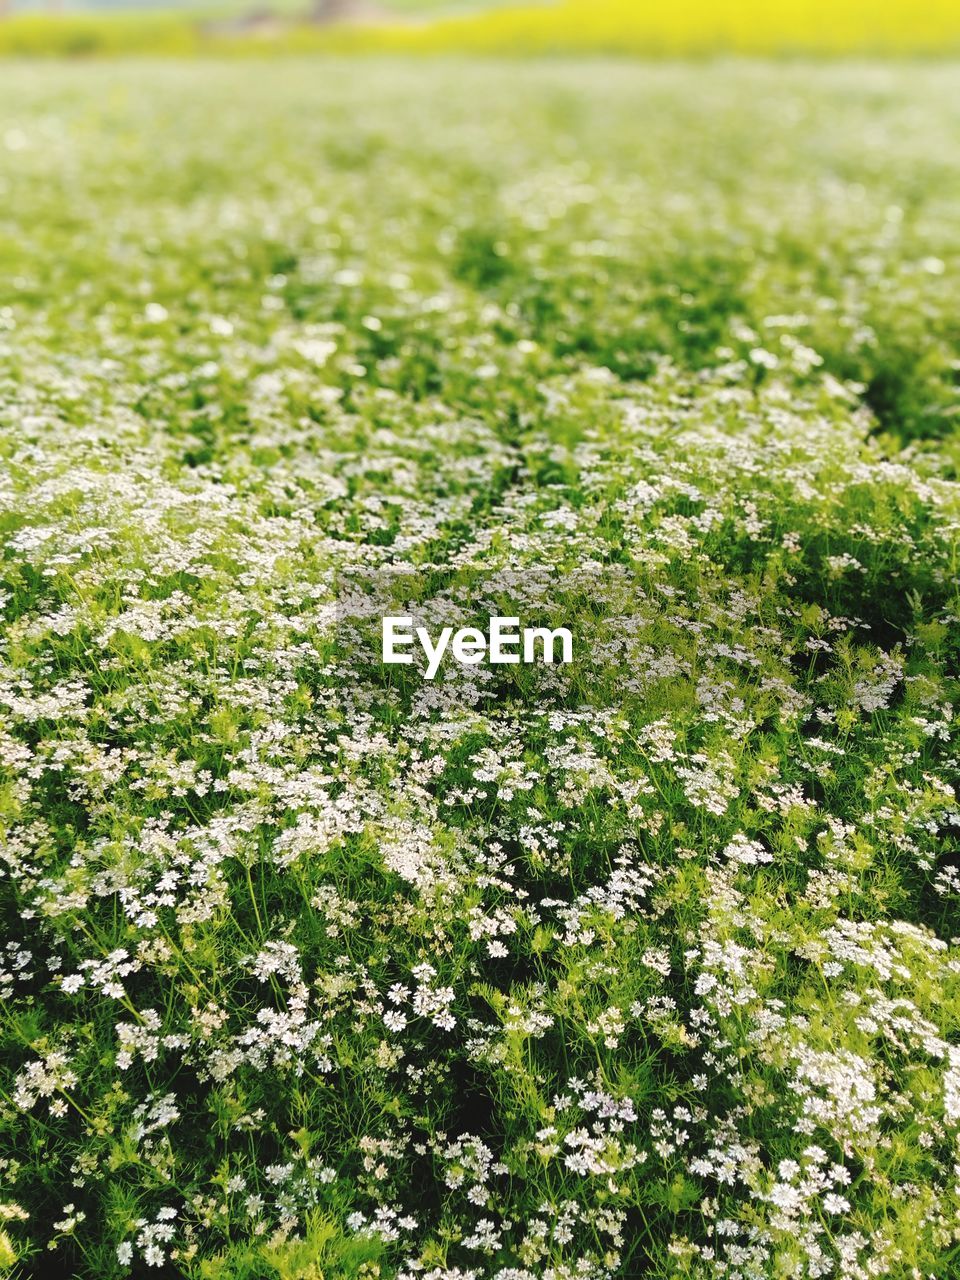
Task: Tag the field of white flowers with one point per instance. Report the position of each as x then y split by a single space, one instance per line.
642 966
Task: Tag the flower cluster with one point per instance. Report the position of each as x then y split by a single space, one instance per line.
642 964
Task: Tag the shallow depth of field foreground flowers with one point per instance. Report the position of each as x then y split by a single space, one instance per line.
642 966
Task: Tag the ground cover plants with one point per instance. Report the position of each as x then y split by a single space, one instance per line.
645 965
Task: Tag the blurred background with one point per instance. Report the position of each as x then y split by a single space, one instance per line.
638 27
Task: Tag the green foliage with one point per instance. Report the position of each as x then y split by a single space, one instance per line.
645 965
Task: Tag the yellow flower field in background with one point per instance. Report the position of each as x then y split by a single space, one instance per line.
637 27
689 27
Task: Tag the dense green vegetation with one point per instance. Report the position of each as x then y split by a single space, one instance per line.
645 965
